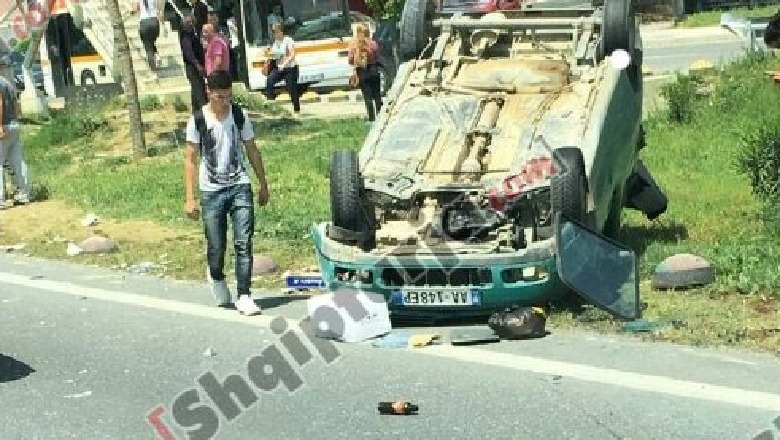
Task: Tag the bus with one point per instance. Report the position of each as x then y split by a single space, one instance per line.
68 58
321 29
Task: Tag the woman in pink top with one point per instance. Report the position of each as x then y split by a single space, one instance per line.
217 51
364 55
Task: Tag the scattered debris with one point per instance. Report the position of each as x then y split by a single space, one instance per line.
399 407
643 325
143 267
13 247
423 340
472 336
73 249
519 323
263 265
97 244
79 395
683 271
209 352
89 220
376 321
393 340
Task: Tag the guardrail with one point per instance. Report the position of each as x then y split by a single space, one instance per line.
751 31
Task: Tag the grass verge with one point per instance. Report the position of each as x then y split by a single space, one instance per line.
692 151
712 18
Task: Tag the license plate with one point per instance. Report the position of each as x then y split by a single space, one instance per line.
312 78
304 282
437 297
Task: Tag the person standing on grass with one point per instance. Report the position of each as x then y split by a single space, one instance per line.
217 54
364 55
216 134
11 138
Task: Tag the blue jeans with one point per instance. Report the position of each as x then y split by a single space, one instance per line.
237 201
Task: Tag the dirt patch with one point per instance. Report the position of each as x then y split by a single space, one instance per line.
55 220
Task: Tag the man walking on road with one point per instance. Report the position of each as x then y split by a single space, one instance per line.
216 133
11 138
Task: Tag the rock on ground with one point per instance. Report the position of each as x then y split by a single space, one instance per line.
682 271
263 265
97 244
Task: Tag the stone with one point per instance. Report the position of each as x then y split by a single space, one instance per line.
97 244
683 271
263 265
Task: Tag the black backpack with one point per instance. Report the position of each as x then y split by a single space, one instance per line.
772 32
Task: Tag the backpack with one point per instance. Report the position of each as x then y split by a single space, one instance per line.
772 32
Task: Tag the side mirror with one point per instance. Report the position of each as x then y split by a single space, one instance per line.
601 270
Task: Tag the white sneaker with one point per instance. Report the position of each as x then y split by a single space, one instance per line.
246 306
221 292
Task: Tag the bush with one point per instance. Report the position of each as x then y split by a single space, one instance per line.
682 97
759 159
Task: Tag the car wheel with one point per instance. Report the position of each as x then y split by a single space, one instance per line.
415 27
619 27
568 190
348 209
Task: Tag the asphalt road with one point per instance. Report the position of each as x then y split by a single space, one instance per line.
88 353
670 50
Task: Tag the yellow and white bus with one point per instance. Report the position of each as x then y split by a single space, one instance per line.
68 58
322 31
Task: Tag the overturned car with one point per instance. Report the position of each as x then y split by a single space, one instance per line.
496 173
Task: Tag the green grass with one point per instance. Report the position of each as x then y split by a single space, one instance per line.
712 18
712 209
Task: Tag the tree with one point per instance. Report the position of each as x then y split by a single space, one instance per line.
128 78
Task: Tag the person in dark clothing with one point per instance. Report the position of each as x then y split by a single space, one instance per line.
364 55
194 61
200 12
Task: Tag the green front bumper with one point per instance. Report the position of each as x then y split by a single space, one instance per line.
499 287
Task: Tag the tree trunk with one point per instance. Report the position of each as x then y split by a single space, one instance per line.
128 78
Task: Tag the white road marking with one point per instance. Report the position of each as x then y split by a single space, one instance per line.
607 376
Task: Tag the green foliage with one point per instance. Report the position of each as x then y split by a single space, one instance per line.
682 97
179 105
150 102
386 9
22 46
759 158
255 103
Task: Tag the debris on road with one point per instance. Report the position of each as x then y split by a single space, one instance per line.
14 247
79 395
519 323
423 340
398 407
683 271
330 318
209 352
473 336
73 249
143 267
392 340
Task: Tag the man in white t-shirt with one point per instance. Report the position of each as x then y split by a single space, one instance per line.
216 133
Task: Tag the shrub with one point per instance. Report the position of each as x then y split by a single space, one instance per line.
682 96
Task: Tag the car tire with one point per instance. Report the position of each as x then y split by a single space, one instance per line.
569 188
619 27
348 208
415 27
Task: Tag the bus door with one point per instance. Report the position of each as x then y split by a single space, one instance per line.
56 39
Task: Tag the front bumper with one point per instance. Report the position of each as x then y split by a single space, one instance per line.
500 283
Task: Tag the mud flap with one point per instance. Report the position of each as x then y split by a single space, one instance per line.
643 193
601 270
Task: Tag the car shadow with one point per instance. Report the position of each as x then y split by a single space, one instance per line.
12 369
274 301
640 237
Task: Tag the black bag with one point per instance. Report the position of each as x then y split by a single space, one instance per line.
519 323
772 32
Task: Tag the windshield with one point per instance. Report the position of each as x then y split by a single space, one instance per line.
303 19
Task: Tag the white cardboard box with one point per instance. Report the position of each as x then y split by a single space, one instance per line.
349 316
